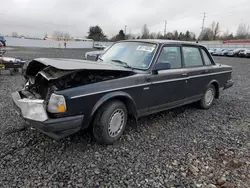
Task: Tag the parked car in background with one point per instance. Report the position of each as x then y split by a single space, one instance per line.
243 53
247 53
2 40
224 53
218 52
237 51
94 55
99 46
133 78
211 50
221 52
230 53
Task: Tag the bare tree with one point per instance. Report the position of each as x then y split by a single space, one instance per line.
206 34
169 36
153 35
225 34
242 31
58 35
145 32
192 36
215 29
159 35
66 35
129 36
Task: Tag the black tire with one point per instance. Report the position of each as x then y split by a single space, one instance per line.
204 103
102 121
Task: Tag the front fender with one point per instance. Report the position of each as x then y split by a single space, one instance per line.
123 96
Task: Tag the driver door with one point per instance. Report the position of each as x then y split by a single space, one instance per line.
168 86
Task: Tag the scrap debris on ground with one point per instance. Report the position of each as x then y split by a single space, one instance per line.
183 147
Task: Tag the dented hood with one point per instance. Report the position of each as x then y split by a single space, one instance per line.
75 64
52 69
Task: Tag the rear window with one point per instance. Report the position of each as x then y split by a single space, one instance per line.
206 58
192 56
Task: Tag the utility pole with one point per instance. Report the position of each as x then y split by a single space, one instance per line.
125 29
165 28
202 26
203 21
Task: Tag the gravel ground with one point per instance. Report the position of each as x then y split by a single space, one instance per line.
184 147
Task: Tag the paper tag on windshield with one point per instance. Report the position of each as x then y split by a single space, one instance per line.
145 48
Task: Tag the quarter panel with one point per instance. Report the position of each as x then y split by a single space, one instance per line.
200 78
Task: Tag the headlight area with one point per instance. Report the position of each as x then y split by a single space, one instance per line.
57 104
33 109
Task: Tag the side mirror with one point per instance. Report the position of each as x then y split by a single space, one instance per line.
161 66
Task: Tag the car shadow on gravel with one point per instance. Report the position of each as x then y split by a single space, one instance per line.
151 119
85 138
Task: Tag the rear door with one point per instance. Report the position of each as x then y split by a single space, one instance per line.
198 67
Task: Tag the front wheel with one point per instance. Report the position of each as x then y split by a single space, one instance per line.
208 98
110 122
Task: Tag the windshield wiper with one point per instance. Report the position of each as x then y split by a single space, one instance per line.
122 63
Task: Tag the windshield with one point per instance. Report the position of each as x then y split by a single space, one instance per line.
136 55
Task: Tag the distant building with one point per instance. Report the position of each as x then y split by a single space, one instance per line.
67 39
82 39
57 38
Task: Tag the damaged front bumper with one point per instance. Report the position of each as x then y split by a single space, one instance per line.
33 109
34 112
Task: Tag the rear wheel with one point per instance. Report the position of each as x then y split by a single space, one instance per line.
208 98
110 122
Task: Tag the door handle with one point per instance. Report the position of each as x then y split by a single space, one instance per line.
184 74
205 71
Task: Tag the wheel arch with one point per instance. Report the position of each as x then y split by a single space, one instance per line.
119 95
216 84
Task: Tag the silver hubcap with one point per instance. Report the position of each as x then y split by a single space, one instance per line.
209 97
116 122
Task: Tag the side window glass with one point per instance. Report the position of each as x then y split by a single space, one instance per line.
171 55
192 56
206 58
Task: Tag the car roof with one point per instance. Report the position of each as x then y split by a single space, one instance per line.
163 41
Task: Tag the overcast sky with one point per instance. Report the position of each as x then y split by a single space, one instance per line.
37 17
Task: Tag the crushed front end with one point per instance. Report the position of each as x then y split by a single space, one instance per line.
42 102
38 104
